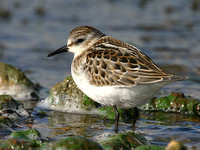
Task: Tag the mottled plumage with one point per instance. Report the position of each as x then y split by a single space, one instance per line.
110 62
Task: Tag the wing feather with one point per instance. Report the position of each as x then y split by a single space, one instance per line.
111 62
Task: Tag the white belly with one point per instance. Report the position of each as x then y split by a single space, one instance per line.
122 97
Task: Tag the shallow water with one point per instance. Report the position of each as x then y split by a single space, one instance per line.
167 31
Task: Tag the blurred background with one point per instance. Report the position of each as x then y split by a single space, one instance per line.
167 31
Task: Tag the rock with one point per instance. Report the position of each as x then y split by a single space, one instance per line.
175 102
65 96
31 134
6 125
123 141
73 143
11 113
29 139
11 108
14 82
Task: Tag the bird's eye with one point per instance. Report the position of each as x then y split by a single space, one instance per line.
80 40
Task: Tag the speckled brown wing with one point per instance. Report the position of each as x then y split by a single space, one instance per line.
112 62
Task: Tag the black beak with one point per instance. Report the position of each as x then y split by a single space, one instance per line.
60 50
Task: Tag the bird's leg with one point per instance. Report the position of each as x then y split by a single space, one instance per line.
135 115
116 118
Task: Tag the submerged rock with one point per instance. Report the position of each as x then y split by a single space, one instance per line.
127 140
14 82
29 139
11 114
175 102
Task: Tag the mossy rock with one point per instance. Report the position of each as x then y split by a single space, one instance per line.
11 75
123 141
14 82
73 143
29 139
175 102
18 144
31 134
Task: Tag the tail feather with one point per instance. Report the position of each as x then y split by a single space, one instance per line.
175 78
178 78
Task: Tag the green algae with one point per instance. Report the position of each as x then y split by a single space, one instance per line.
73 143
89 103
175 102
109 113
125 141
